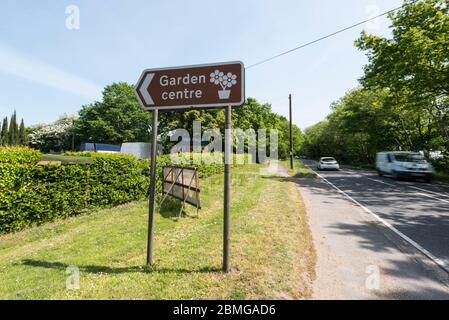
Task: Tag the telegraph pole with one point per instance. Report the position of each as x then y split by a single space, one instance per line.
291 132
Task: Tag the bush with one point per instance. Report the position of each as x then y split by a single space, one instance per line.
78 153
19 155
31 194
441 164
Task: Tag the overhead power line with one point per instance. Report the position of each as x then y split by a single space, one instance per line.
328 36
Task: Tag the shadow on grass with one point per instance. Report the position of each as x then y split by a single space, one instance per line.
112 270
171 209
280 179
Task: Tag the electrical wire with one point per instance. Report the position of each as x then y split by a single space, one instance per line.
328 36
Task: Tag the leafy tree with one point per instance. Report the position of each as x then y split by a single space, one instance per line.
252 115
53 137
413 66
116 119
404 101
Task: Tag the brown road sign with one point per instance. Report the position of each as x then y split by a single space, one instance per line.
198 86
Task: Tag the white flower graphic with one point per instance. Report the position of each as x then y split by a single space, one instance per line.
216 77
229 80
225 81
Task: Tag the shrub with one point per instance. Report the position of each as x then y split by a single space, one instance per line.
32 194
19 155
78 153
441 164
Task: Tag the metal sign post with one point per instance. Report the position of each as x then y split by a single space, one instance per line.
227 189
152 188
192 87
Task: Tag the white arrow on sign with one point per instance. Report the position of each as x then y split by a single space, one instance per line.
144 89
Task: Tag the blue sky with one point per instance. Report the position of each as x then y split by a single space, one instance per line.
47 70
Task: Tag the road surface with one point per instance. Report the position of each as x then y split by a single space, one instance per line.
365 225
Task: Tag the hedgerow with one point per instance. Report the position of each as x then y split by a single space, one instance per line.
19 155
32 194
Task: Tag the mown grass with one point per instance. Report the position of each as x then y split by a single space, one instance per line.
272 253
66 159
299 169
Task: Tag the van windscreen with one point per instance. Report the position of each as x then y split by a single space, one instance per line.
410 157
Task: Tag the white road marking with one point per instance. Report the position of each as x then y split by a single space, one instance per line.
383 182
433 192
418 193
433 197
439 262
358 173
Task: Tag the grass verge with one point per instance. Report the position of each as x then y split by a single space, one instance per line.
272 253
299 169
66 159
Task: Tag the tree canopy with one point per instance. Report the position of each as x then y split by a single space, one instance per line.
11 134
403 103
116 119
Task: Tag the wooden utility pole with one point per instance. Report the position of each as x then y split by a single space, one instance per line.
291 132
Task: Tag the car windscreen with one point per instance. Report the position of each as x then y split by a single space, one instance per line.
328 159
409 157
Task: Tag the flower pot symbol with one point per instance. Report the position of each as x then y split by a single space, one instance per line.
226 81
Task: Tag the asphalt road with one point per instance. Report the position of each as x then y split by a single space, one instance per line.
362 223
419 210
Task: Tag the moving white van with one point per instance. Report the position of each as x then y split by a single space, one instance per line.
404 165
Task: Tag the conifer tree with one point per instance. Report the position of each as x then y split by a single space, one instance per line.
4 132
22 137
11 131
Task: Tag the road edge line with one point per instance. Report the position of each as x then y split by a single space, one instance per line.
424 251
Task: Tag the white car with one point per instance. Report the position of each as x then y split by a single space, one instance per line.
328 163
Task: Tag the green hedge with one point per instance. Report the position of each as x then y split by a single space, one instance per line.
31 194
19 155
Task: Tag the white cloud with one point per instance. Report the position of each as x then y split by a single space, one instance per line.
16 64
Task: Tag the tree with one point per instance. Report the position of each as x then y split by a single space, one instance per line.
252 115
53 137
22 136
404 101
413 66
4 133
361 124
13 131
116 119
